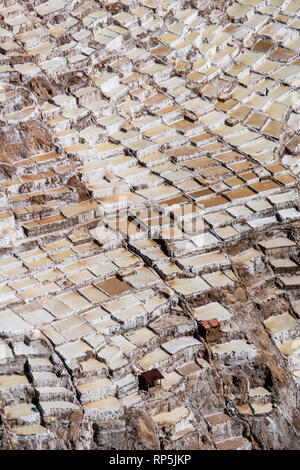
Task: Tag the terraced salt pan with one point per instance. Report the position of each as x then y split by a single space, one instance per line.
73 349
210 311
178 344
296 375
234 346
5 352
203 260
188 286
18 411
172 417
262 408
278 323
153 359
258 392
8 381
140 336
106 404
95 385
245 257
280 242
34 429
170 380
209 171
290 347
11 324
56 407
